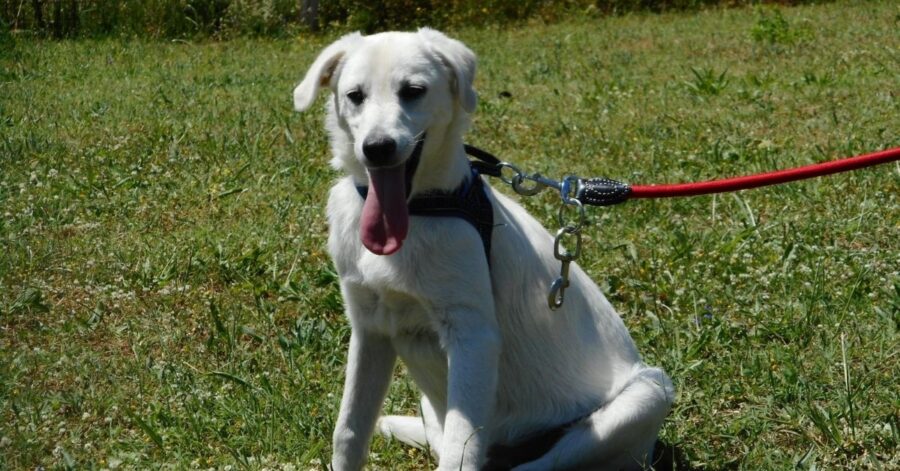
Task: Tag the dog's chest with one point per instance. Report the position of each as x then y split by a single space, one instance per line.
416 340
395 315
412 330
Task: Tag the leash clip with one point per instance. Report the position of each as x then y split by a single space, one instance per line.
557 293
570 190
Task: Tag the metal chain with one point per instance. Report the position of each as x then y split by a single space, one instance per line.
570 228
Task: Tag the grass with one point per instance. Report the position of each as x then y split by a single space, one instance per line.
166 302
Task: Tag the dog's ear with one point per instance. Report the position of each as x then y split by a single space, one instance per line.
321 72
461 62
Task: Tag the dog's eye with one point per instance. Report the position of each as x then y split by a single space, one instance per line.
412 92
356 96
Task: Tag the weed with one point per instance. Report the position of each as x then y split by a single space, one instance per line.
706 82
773 28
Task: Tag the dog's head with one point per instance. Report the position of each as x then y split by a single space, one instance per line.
390 92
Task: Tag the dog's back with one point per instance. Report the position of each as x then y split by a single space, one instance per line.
556 365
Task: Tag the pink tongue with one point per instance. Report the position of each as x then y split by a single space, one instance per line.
385 218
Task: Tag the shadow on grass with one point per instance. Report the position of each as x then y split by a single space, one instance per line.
667 457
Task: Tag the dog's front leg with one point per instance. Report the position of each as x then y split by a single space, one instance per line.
473 350
370 362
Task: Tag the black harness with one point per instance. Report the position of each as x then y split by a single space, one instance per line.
468 202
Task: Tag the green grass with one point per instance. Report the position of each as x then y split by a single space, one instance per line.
166 302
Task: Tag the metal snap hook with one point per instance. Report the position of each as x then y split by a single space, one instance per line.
525 190
557 294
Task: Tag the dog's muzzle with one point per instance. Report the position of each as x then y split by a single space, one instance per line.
380 151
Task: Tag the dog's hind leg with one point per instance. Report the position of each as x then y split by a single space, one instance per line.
618 436
423 432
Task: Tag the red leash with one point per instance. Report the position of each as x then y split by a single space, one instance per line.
577 192
764 179
606 192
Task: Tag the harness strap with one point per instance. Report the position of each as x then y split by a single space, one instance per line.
469 202
486 163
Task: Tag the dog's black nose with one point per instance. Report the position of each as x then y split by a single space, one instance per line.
379 151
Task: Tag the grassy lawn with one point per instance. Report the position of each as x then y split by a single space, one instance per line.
166 302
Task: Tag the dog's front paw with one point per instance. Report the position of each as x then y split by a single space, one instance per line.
383 427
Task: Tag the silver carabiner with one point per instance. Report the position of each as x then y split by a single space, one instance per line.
535 188
557 293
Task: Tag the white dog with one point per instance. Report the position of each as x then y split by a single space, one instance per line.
505 381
